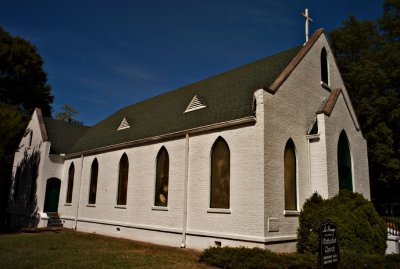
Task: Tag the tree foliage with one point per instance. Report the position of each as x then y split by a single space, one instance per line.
12 124
368 55
68 114
23 87
360 229
22 79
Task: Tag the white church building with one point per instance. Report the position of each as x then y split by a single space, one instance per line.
228 160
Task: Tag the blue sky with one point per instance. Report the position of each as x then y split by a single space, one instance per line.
103 55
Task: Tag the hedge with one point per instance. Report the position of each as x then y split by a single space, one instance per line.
235 258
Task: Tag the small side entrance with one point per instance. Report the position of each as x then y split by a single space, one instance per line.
52 195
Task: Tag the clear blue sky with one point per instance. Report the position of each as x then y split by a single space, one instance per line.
103 55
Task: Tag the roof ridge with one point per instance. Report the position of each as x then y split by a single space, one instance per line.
66 122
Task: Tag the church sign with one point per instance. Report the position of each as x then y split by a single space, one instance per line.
328 255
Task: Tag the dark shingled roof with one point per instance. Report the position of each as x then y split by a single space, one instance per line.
62 135
228 96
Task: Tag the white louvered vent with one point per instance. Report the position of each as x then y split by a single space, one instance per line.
195 104
124 124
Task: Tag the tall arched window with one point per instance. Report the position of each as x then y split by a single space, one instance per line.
344 163
162 176
30 138
290 175
324 67
220 175
94 171
71 174
123 180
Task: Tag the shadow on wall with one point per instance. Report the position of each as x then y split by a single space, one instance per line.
23 211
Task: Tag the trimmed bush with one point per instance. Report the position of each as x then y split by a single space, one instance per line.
235 258
228 257
360 228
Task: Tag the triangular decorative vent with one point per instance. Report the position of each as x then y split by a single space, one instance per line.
124 124
195 104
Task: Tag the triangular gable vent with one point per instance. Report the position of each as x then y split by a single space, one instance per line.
195 104
124 124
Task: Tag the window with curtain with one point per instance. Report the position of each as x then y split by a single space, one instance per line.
71 175
220 175
290 176
94 171
123 180
162 176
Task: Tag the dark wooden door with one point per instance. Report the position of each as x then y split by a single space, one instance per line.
52 195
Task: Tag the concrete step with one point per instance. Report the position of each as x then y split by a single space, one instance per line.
54 220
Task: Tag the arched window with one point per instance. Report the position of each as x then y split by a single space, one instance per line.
123 180
344 163
162 176
94 171
290 175
220 175
71 174
30 138
324 67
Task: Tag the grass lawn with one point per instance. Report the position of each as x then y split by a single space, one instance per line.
69 249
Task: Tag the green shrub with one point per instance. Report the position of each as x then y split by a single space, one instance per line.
355 260
233 258
360 228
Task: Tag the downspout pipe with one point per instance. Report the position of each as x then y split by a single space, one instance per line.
185 192
79 197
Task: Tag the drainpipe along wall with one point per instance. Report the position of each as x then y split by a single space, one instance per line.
79 193
185 192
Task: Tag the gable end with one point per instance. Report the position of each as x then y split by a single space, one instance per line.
296 60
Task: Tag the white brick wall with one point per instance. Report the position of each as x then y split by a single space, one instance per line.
340 120
288 114
49 166
256 216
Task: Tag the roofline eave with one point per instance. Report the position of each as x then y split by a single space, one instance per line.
196 130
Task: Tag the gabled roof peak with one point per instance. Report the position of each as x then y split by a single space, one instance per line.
295 61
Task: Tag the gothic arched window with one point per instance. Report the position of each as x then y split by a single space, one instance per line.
123 180
162 176
220 175
344 163
290 175
71 175
94 171
324 67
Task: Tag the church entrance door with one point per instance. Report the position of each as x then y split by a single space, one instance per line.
52 195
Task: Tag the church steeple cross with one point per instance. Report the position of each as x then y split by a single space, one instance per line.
305 15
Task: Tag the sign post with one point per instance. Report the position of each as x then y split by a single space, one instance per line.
328 254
